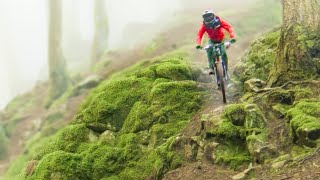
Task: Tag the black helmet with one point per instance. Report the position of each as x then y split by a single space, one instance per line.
210 19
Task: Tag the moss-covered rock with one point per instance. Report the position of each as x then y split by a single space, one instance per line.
126 127
305 122
241 133
112 105
59 165
67 139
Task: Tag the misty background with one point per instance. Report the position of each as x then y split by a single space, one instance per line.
24 34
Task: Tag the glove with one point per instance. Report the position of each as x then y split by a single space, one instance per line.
227 44
198 47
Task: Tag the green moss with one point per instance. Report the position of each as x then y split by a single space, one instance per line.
59 165
103 161
254 117
135 117
154 164
281 108
180 97
298 152
305 122
161 132
233 153
113 103
139 119
67 139
174 70
235 113
258 61
227 129
239 132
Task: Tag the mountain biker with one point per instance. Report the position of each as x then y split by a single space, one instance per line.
213 25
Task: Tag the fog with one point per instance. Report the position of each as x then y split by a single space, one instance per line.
23 34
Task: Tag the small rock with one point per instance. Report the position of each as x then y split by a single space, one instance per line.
278 165
253 85
243 174
93 136
239 176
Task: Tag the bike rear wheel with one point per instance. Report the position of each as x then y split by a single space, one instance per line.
220 75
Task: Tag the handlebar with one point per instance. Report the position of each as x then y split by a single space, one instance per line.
226 43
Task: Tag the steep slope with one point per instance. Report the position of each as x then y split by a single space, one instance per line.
126 127
135 110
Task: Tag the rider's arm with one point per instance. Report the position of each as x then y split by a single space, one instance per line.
201 31
227 27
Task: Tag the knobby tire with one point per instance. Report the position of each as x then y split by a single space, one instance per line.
221 78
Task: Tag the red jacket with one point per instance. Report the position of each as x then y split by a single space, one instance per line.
215 34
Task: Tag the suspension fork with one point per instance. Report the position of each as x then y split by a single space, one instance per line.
216 63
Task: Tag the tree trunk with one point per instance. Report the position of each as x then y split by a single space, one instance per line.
100 41
298 52
58 76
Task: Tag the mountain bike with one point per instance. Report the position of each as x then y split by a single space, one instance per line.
220 67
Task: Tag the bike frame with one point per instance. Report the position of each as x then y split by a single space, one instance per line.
216 57
219 66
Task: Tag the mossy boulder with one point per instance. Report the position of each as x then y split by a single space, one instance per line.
68 139
305 122
59 165
111 105
127 125
241 133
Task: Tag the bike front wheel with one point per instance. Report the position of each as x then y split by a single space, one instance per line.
221 79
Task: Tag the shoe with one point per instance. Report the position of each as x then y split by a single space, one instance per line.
211 71
227 77
219 87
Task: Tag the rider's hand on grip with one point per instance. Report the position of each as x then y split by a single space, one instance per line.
198 47
227 44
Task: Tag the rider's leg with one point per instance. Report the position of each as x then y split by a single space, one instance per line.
210 55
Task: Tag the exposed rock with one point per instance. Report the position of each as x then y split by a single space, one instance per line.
100 127
88 83
254 85
93 136
198 140
107 137
208 151
244 174
263 153
31 166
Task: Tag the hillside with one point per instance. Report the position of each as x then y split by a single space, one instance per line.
153 113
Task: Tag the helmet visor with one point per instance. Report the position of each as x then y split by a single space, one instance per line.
214 23
208 19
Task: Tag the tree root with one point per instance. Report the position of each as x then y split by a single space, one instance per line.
268 91
304 159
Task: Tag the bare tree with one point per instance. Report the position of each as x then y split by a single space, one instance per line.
100 41
58 76
298 51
